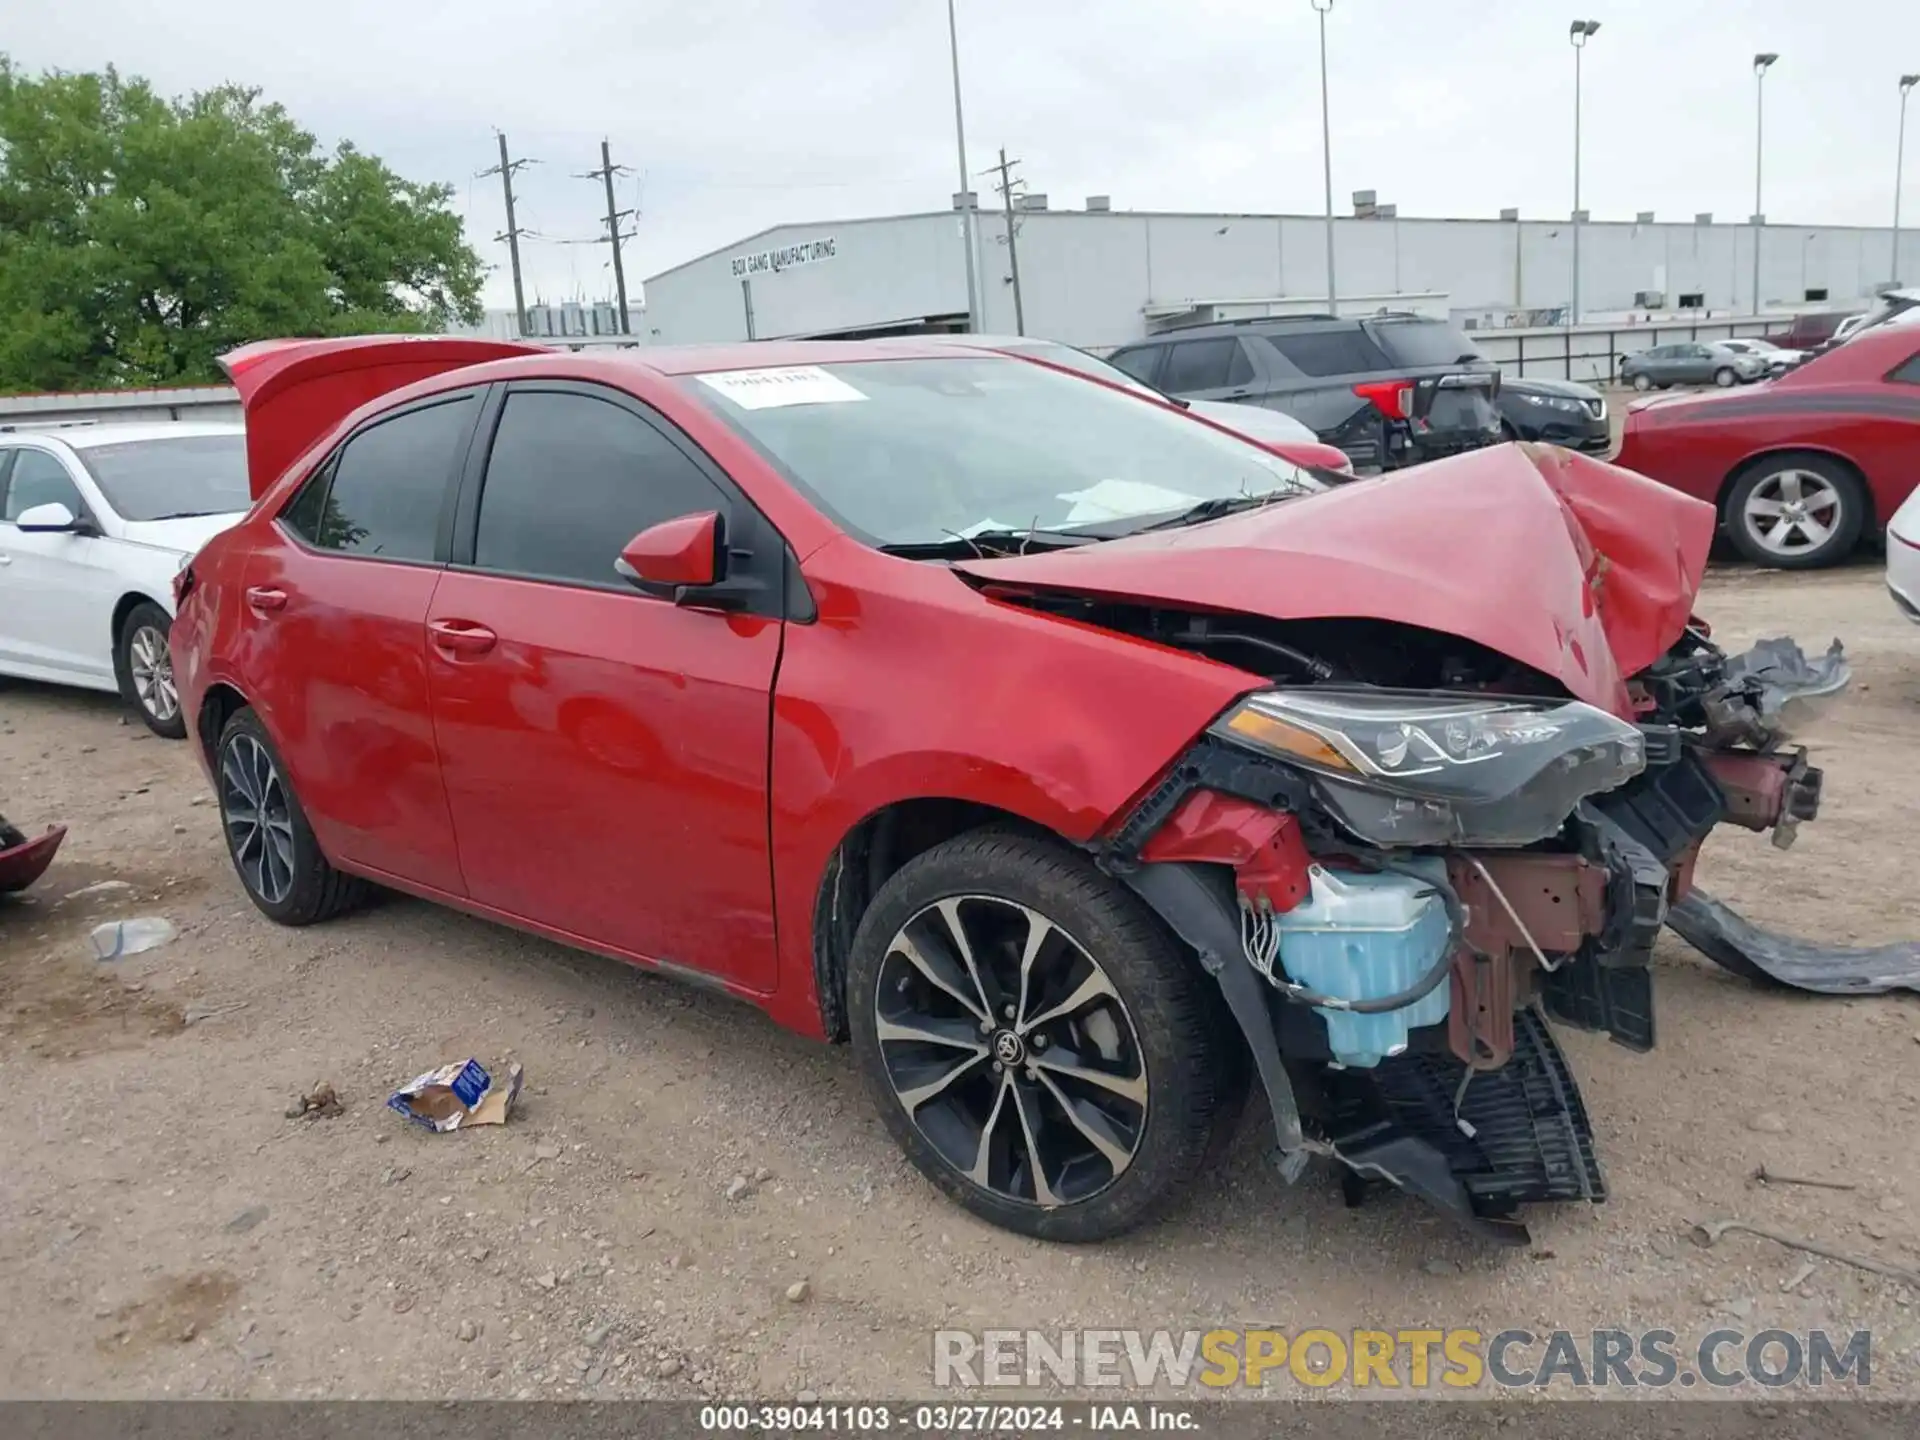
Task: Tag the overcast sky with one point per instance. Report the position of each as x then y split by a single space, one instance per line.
742 114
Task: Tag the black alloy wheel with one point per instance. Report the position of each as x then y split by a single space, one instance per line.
273 848
1035 1040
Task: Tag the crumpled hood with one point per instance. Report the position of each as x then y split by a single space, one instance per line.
1574 567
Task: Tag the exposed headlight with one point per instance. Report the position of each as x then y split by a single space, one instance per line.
1424 769
1553 402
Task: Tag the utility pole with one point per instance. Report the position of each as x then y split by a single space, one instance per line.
1006 188
606 172
505 170
1579 33
966 204
1761 63
1907 82
1321 7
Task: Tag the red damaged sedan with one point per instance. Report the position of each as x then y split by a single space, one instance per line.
1080 764
1802 467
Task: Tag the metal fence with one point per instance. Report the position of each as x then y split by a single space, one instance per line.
1592 354
198 402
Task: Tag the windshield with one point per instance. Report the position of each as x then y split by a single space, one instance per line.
917 452
1892 303
1423 342
166 479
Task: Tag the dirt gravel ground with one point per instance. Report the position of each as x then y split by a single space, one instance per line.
166 1230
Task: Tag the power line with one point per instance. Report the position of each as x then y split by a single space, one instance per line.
605 175
1007 186
506 170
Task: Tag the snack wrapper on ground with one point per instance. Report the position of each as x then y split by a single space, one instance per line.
457 1095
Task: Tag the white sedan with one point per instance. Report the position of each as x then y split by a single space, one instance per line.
1903 557
1779 359
95 521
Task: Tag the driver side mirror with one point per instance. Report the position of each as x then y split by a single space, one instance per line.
53 518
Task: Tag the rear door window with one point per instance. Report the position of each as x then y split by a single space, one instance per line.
383 494
1907 372
1338 351
571 479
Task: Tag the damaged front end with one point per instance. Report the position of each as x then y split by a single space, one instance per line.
1396 889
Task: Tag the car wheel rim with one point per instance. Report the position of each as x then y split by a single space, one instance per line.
1641 382
1793 511
1011 1051
152 667
258 817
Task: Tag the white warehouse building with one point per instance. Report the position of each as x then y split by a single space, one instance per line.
1099 277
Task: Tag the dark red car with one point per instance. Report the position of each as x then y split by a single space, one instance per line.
1803 466
1075 761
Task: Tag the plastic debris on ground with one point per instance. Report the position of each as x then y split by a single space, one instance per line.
457 1095
1735 943
118 939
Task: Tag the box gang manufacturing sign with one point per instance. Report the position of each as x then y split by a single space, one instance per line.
772 262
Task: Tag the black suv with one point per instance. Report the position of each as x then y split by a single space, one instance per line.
1390 390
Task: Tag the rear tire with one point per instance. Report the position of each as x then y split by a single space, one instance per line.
1765 506
1128 1008
143 666
272 846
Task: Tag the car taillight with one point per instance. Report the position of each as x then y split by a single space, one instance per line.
182 585
1392 398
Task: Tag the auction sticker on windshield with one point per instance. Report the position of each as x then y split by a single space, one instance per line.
788 385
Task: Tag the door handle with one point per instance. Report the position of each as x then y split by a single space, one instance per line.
461 637
263 598
6 559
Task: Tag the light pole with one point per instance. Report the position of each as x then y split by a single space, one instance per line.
966 205
1321 7
1761 62
1907 82
1578 34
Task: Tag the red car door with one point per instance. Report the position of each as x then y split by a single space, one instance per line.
605 751
335 653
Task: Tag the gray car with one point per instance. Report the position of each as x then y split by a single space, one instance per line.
1691 364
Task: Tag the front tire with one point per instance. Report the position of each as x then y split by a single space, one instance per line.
1724 377
1643 382
1796 512
1036 1041
272 846
143 666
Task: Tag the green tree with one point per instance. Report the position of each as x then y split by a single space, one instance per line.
141 236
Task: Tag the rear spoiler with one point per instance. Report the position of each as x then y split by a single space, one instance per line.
295 391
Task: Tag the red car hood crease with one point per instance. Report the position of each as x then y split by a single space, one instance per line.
1576 568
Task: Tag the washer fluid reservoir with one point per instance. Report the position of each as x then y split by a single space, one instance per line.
1362 936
